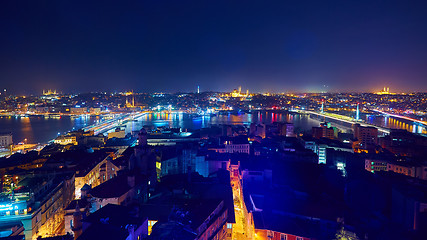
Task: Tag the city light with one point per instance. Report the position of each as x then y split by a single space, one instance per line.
221 120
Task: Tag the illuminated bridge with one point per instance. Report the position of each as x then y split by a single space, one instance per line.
108 125
344 119
401 117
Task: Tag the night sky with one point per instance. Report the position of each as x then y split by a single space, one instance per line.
147 46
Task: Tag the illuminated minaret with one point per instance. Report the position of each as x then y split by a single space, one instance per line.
357 112
198 89
321 110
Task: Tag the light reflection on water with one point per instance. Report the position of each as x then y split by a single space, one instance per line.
40 129
187 121
396 123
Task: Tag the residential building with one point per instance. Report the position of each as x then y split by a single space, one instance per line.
66 139
5 139
38 203
121 190
114 222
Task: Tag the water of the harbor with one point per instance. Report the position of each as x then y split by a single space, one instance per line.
193 122
396 123
389 122
41 129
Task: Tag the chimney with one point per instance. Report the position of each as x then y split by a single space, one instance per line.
189 174
131 181
77 222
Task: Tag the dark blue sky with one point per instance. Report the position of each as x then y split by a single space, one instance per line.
220 44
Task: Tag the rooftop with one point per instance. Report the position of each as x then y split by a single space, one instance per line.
116 186
114 215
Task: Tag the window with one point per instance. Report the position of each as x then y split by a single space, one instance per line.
269 234
229 225
299 238
283 236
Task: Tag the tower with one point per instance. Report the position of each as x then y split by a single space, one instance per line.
321 110
142 137
198 89
77 222
357 113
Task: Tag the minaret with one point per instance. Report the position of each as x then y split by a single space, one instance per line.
321 110
198 89
357 112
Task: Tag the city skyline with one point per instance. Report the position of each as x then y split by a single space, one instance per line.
236 90
219 120
168 46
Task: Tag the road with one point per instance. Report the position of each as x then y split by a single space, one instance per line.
243 228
